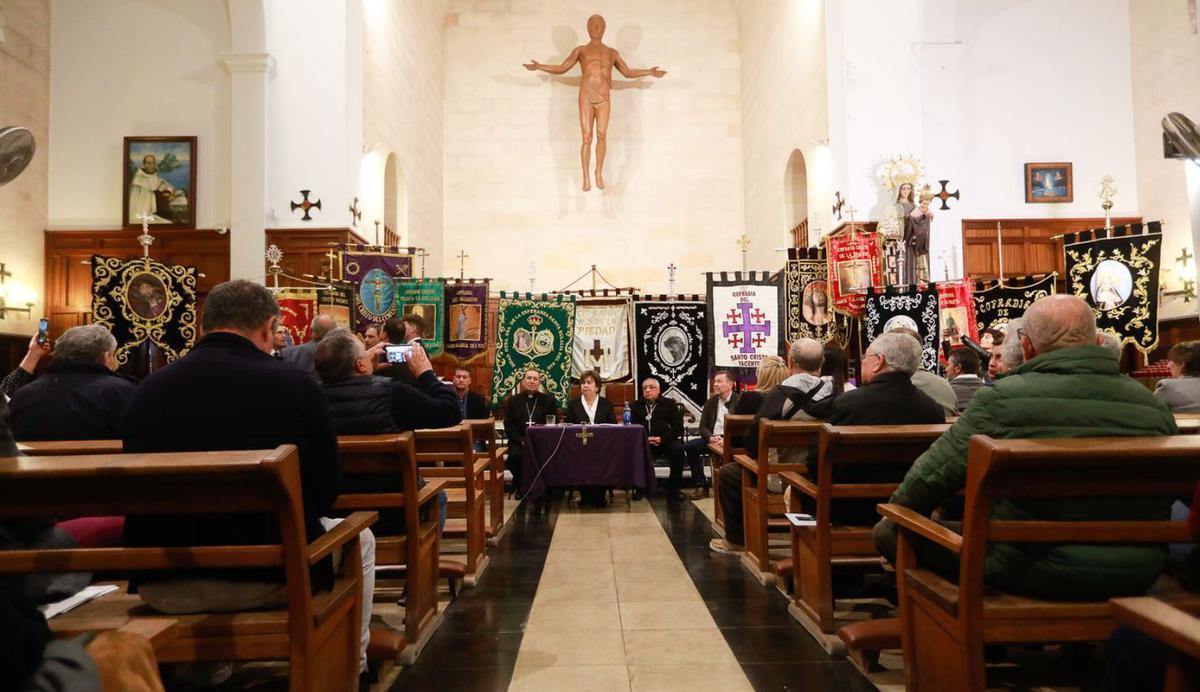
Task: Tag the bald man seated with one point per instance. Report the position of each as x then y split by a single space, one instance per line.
1067 386
303 356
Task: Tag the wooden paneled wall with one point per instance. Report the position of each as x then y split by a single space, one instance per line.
306 250
68 271
1029 244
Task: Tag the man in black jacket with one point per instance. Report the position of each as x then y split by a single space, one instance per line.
228 393
712 428
663 420
470 404
527 407
79 397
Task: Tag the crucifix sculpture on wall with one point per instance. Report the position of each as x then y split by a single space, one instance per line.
597 61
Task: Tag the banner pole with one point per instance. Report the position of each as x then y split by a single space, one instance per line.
1000 250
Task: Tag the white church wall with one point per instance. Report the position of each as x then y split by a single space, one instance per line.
25 101
1166 72
129 68
403 84
512 140
314 109
784 109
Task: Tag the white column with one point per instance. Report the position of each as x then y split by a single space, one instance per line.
249 73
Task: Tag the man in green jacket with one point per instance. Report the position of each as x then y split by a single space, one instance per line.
1067 387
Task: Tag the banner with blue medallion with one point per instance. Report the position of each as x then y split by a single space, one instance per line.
669 343
1116 272
916 308
745 321
372 270
534 332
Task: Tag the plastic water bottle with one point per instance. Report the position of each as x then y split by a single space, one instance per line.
627 415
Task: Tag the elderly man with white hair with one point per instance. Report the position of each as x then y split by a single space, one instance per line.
1068 386
80 397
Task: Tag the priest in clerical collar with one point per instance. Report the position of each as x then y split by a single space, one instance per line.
663 420
528 406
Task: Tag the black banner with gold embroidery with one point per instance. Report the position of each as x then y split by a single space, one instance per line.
807 311
143 300
1117 274
998 304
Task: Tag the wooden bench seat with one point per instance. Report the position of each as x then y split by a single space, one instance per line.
733 443
817 550
449 454
1178 628
946 625
319 634
483 430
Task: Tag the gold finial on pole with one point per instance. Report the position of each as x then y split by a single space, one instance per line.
1107 192
744 243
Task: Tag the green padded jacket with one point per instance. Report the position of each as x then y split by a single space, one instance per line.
1074 392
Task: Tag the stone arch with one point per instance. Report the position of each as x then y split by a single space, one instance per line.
795 199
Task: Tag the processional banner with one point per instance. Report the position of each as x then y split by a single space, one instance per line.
1117 274
745 324
338 300
957 311
915 309
601 338
999 304
426 298
534 332
297 308
373 270
466 318
807 312
669 344
143 300
854 267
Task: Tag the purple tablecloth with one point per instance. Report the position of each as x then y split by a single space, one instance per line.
605 455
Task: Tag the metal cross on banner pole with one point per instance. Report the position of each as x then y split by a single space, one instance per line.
744 243
462 263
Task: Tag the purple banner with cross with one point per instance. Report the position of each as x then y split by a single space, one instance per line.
744 323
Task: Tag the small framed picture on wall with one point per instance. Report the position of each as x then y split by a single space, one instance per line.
160 182
1048 183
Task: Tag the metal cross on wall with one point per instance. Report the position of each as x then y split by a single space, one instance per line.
1184 257
306 205
946 194
838 203
355 212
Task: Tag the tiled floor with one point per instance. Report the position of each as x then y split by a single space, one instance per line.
620 600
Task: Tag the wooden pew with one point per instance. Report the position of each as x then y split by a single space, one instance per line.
1178 629
484 430
449 453
762 510
946 625
733 444
417 548
816 550
69 448
319 634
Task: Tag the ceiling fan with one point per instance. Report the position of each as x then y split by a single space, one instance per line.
16 151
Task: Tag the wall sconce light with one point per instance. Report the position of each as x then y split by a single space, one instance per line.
10 293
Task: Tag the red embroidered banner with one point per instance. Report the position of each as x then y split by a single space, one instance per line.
854 266
956 307
296 312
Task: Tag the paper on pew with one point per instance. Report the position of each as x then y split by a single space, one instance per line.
800 519
71 602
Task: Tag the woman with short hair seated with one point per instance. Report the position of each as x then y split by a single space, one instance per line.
1181 393
589 408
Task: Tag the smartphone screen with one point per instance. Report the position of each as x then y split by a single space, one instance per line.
398 354
43 334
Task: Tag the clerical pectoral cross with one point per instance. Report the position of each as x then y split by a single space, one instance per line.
585 436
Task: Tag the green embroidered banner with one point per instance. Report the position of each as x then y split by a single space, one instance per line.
427 298
534 333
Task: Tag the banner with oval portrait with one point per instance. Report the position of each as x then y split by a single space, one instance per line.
1117 274
912 309
807 308
669 343
144 300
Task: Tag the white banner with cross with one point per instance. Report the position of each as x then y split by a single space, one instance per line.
601 339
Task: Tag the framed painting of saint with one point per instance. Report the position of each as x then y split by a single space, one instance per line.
1049 183
160 182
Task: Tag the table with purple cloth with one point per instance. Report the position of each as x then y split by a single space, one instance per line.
587 455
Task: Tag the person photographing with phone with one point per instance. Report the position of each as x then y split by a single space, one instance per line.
39 347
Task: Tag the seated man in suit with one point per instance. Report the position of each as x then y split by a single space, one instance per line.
303 354
470 404
663 420
80 397
712 429
228 393
527 407
1067 386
